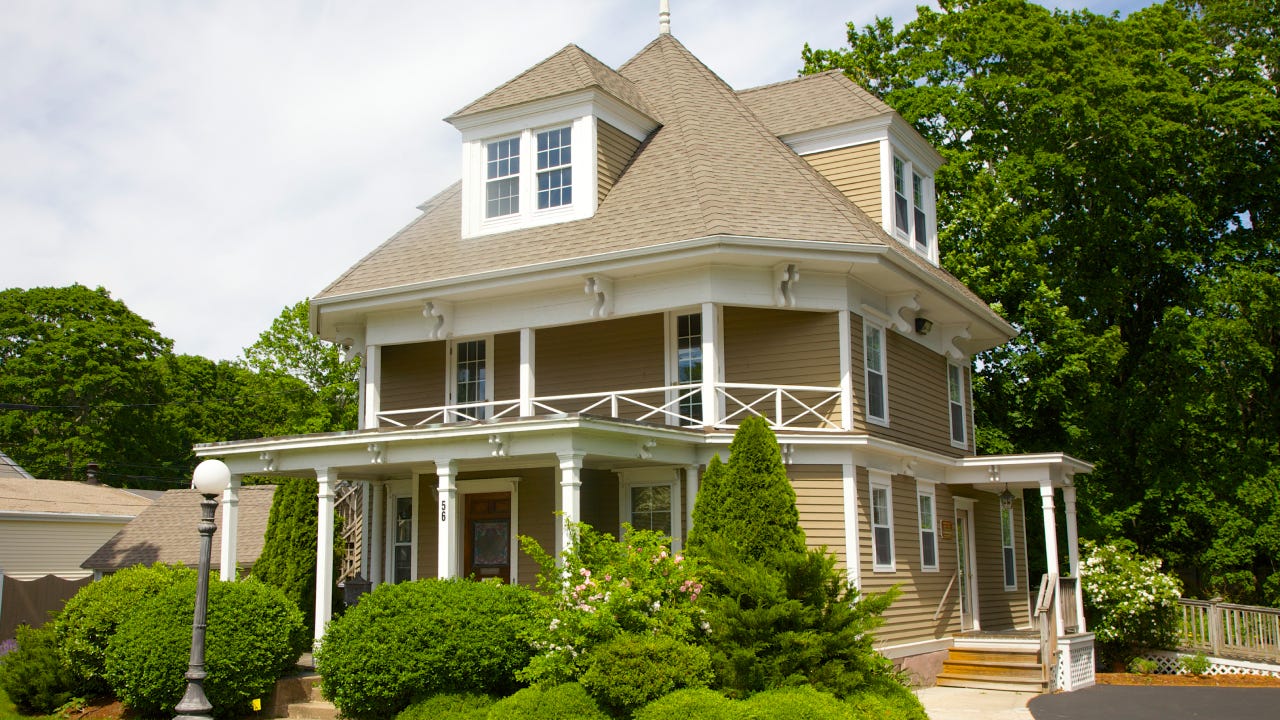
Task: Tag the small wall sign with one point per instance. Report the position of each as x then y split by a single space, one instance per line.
948 529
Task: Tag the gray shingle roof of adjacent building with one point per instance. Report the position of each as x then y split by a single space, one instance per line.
28 495
166 532
11 469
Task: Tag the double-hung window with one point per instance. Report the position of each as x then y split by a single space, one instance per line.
651 507
555 169
877 385
926 504
502 178
688 367
524 179
1006 545
920 226
649 499
470 379
956 404
911 205
881 521
402 540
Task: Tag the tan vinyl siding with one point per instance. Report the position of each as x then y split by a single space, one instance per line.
428 529
614 150
505 369
34 548
999 609
537 517
910 618
413 376
600 500
611 355
820 500
855 171
918 404
783 347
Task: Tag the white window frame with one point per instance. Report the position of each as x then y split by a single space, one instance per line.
1008 552
928 536
881 480
518 158
539 171
652 477
452 379
868 327
959 388
673 360
897 157
397 490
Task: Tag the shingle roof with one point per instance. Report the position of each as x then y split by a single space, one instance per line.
569 70
166 532
26 495
11 469
712 168
812 102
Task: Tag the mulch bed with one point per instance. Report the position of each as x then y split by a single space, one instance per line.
1187 680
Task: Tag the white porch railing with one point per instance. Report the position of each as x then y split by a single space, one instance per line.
1224 629
790 407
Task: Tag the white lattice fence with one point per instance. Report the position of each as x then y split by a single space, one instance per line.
1168 663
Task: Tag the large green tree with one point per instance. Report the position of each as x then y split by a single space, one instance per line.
1110 188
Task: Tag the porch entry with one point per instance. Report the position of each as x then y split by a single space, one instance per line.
487 536
965 567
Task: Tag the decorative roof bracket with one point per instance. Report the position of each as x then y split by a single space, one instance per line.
350 339
269 461
600 289
951 334
377 453
499 443
786 276
900 304
439 315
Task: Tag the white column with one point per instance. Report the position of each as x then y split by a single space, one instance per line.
378 534
1051 544
846 370
230 529
852 550
448 553
710 364
570 495
326 479
371 400
1073 548
528 386
691 482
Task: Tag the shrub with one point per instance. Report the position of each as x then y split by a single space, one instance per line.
1143 666
885 699
630 671
90 618
601 588
32 674
569 701
691 704
254 635
449 706
288 559
1196 664
409 640
796 703
792 621
1131 604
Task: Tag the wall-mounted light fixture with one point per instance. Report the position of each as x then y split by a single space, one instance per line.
923 325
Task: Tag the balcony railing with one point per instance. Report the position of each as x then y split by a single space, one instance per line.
790 407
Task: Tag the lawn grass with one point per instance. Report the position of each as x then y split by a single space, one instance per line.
9 712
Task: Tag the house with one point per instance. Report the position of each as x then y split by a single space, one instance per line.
633 261
47 528
166 533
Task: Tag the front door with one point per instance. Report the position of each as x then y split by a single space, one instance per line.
487 536
965 570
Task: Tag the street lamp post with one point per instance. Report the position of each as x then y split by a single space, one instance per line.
210 478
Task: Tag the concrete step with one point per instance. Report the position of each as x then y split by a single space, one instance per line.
313 710
988 683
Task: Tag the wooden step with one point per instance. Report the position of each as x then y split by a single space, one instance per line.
313 710
991 684
993 669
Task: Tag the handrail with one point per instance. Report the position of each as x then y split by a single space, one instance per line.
938 613
1228 629
1048 626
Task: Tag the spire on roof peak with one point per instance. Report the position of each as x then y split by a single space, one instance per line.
664 17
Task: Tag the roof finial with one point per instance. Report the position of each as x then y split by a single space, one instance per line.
664 18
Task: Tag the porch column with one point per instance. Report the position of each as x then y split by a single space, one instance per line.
377 538
370 400
230 529
527 385
325 478
1073 548
570 496
846 371
710 364
1051 543
691 481
852 550
447 542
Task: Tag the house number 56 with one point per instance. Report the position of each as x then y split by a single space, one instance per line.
442 510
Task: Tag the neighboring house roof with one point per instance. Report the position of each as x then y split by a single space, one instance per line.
26 496
11 469
812 102
712 169
166 532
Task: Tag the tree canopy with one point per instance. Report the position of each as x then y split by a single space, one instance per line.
1110 189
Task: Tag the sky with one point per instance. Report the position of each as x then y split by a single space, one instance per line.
212 162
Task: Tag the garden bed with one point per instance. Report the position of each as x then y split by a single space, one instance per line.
1169 680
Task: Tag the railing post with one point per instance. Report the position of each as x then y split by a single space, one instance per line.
1215 625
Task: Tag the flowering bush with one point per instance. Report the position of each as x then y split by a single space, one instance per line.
602 588
1131 604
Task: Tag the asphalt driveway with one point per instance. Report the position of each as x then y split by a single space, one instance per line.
1103 702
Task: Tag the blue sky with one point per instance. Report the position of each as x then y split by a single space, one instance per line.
212 162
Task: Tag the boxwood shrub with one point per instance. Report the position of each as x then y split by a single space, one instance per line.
416 639
449 706
796 703
628 672
569 701
886 698
90 617
691 704
32 674
254 636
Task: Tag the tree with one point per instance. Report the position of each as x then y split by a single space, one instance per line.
749 502
76 384
288 348
1109 184
288 558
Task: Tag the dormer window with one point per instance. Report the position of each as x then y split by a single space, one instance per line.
911 192
502 170
555 171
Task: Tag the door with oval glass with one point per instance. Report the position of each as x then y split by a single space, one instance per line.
487 536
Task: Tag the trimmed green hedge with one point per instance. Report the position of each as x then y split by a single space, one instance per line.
416 639
630 671
32 675
796 703
449 706
569 701
692 704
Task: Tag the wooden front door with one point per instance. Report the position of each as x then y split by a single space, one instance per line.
487 536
